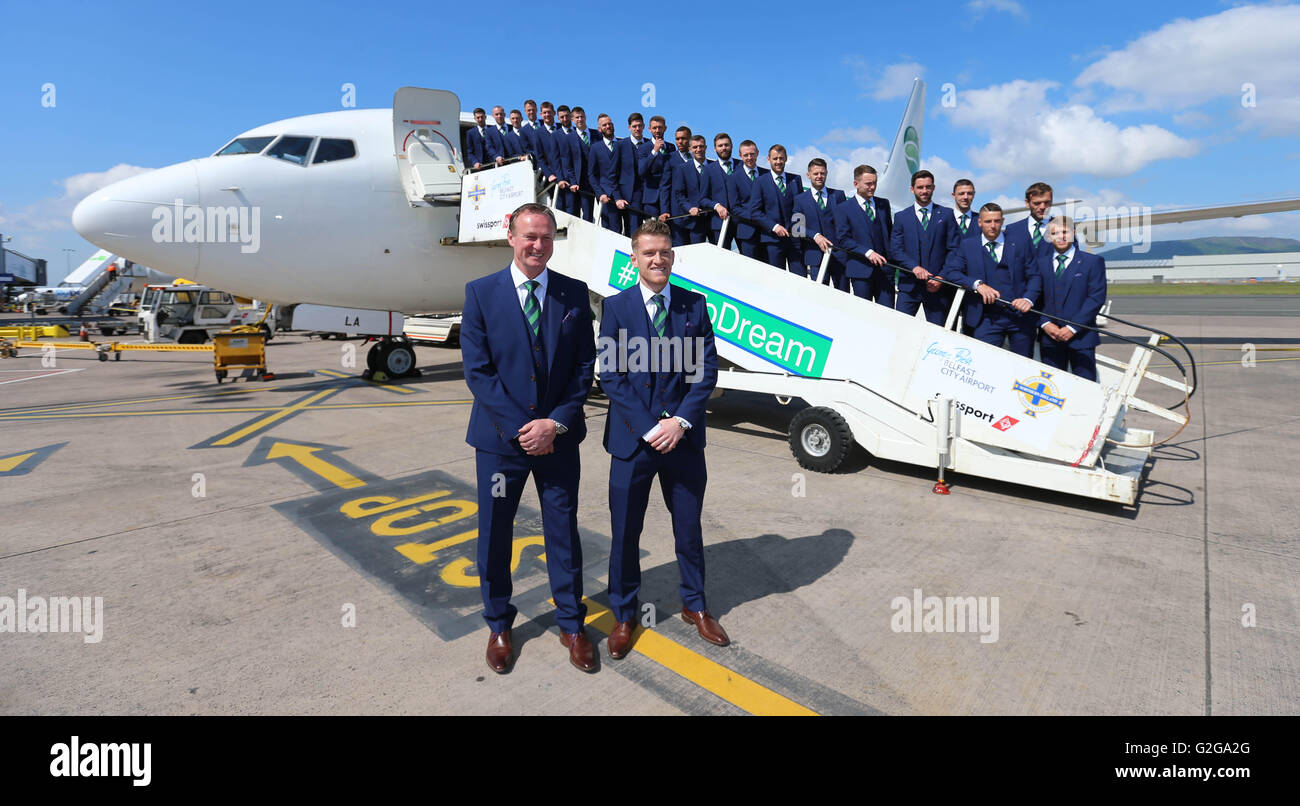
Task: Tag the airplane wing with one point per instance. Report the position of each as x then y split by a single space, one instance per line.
1092 230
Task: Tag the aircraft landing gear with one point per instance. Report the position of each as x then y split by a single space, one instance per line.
393 357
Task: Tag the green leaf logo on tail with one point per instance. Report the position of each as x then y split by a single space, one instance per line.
912 149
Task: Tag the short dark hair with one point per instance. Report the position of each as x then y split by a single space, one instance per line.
532 208
516 112
660 119
635 116
681 129
721 136
862 169
922 174
478 110
530 101
562 108
961 182
816 161
577 110
991 207
652 226
698 138
744 143
777 147
548 105
1037 189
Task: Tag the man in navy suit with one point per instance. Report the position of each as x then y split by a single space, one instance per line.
815 208
863 224
924 235
655 427
528 358
1032 231
994 269
668 203
631 161
652 159
522 139
688 192
1074 287
612 166
748 238
771 205
530 114
720 194
577 153
503 132
963 196
482 143
548 146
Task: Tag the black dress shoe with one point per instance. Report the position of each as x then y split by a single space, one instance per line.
500 652
581 653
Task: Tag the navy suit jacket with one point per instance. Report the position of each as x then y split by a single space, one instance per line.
499 371
972 227
481 150
575 157
744 189
816 220
1019 232
667 201
911 246
688 189
638 398
856 230
1077 294
656 175
971 262
718 188
515 143
769 206
548 151
612 173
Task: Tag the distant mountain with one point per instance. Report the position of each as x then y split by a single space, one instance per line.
1163 250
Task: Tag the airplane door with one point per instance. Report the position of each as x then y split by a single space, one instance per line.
426 142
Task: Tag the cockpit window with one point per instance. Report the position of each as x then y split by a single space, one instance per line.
245 145
291 149
332 150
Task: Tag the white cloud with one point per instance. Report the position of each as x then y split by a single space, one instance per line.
862 134
978 7
1030 137
839 169
54 214
887 82
1189 62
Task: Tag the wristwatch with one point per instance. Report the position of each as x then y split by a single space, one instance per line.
685 425
560 427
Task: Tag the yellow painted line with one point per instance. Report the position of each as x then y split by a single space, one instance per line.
388 386
228 410
305 455
1225 363
71 407
727 684
257 425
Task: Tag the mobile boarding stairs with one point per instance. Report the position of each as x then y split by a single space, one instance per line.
900 387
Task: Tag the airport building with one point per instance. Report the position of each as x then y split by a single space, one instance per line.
1264 267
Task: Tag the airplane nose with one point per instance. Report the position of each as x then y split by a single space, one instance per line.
143 219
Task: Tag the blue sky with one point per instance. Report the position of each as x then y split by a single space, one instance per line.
1158 104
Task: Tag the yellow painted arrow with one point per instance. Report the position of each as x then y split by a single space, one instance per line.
8 463
305 455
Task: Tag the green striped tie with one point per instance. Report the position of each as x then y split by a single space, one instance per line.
821 200
661 315
964 223
871 210
1038 233
780 183
925 218
1060 264
532 308
993 251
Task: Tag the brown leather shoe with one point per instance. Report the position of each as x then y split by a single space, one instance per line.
710 629
620 640
581 653
500 652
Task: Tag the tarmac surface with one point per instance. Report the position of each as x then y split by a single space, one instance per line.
305 545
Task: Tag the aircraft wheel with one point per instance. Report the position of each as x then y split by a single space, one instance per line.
397 359
820 439
267 335
374 355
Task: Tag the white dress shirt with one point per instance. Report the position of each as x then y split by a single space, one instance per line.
647 298
519 278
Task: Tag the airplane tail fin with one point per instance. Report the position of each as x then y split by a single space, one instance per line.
905 157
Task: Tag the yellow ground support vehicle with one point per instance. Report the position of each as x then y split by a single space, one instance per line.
239 349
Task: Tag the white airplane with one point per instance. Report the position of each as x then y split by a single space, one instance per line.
353 211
